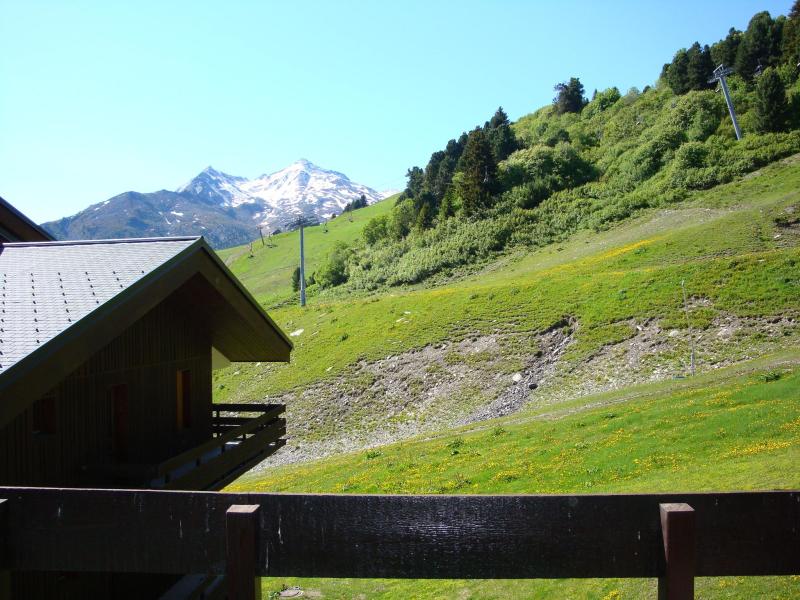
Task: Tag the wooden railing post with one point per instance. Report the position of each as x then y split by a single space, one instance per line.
678 531
241 525
5 574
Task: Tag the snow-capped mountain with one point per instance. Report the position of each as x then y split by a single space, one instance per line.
226 209
301 189
216 187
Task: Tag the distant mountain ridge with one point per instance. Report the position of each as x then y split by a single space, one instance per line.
226 209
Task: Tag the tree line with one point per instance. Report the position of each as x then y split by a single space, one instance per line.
582 150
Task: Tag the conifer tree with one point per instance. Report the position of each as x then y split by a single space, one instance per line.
699 67
724 51
569 96
771 108
791 36
499 118
444 175
479 174
757 47
416 177
677 73
424 217
296 279
501 137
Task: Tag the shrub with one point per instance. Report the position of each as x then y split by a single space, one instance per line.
376 230
334 271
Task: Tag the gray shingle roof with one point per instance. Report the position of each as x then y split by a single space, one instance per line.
47 287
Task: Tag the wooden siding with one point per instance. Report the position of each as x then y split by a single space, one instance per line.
146 358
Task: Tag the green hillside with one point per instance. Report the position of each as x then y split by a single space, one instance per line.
268 271
734 247
527 315
735 429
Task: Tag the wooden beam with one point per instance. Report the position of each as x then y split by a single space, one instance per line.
245 406
241 534
678 531
454 537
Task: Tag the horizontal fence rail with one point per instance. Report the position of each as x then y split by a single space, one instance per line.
143 531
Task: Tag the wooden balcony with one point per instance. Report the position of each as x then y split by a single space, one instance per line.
243 436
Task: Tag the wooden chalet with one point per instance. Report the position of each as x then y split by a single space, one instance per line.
106 356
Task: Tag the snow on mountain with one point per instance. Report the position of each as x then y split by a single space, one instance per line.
278 199
216 187
226 209
305 189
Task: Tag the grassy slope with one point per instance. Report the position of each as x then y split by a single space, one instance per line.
268 273
731 429
725 429
721 242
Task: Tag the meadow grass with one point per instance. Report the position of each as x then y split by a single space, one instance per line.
722 244
726 429
268 272
729 432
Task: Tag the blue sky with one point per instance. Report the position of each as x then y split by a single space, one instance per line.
97 98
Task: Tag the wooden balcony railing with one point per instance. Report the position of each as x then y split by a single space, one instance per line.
674 537
238 443
242 436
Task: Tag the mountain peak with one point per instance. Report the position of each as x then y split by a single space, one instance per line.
225 208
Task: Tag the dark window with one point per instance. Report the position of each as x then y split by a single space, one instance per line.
183 399
44 415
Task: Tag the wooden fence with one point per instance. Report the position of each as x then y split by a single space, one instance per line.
674 537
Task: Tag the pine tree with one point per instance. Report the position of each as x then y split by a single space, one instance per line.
724 51
501 137
296 279
757 46
677 75
790 49
500 118
700 67
443 177
424 217
503 142
479 171
432 171
569 96
771 108
416 177
448 206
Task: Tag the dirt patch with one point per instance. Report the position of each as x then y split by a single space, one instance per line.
654 353
404 395
486 376
538 369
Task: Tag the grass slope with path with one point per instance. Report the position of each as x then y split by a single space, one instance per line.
615 294
732 429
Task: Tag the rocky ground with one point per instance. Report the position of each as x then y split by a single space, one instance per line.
483 377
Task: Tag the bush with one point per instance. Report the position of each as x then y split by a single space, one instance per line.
602 101
376 230
334 271
547 169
